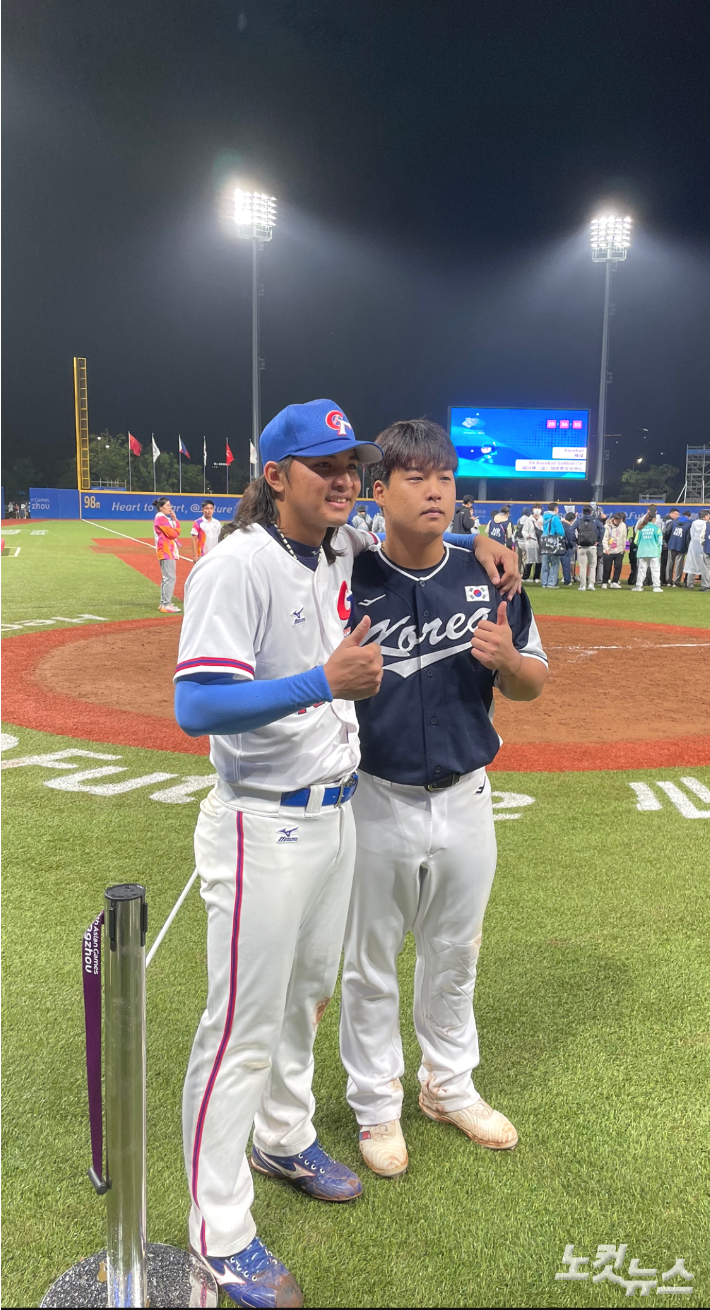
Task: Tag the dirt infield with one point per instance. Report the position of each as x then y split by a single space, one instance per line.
140 554
613 701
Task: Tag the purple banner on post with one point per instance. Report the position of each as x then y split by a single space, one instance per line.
91 974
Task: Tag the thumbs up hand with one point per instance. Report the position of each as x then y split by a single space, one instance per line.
492 643
354 671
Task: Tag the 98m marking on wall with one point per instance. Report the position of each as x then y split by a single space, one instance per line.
647 799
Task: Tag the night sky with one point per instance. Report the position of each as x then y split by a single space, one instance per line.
436 166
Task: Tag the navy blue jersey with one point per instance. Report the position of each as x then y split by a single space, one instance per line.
432 714
677 538
499 531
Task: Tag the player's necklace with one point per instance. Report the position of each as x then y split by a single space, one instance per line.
289 548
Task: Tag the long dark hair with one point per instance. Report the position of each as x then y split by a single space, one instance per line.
258 505
650 516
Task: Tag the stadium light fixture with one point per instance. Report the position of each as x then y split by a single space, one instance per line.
254 214
255 220
610 237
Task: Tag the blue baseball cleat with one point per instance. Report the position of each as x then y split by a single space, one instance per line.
253 1277
312 1171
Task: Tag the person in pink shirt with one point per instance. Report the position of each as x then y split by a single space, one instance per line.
166 531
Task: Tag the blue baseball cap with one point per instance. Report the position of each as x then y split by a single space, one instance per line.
317 428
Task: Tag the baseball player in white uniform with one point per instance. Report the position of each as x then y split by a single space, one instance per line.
205 531
265 669
426 849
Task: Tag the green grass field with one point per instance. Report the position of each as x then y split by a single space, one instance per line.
591 1002
59 568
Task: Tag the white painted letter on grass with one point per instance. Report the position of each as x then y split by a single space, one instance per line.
695 785
75 782
184 791
509 800
645 799
683 803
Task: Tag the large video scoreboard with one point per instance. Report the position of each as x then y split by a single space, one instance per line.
520 443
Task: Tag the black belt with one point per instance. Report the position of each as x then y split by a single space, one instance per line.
451 781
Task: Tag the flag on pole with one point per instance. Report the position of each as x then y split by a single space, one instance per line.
156 452
183 448
230 456
204 451
134 445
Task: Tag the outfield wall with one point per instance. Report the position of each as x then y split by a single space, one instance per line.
55 503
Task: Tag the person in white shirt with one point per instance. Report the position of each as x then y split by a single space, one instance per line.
694 557
532 531
362 520
205 531
378 522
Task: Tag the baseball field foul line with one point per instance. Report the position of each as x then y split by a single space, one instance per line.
170 918
147 544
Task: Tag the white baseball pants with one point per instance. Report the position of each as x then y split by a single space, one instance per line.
424 863
276 886
644 564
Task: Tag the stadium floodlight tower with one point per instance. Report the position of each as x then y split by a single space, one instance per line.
611 238
255 219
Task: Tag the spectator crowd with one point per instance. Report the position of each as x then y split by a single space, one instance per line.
561 549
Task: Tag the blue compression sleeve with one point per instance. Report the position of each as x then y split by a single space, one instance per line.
465 539
227 708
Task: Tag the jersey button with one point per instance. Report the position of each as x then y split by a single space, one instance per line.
437 769
425 613
434 720
430 673
421 582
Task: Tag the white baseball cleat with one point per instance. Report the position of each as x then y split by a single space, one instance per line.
383 1148
480 1122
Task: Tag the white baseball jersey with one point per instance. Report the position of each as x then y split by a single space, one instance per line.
253 611
207 532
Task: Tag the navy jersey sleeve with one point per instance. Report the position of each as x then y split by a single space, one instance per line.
526 637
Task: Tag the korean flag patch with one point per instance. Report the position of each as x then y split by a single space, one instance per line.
477 593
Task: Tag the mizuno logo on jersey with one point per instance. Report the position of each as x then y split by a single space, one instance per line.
399 659
297 617
476 593
371 600
287 834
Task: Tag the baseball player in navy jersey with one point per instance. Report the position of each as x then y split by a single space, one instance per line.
426 849
266 669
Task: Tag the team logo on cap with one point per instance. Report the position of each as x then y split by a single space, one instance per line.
338 422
